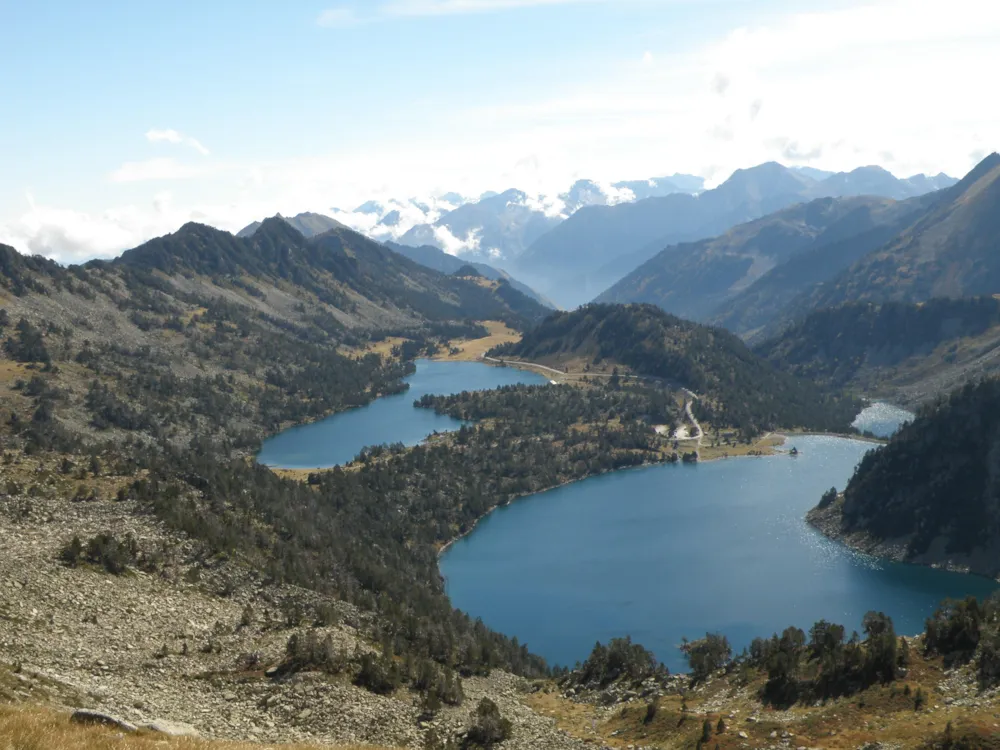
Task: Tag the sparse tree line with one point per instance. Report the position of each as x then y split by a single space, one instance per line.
824 663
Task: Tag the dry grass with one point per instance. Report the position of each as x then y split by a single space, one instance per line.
880 714
35 728
299 475
382 348
470 350
713 448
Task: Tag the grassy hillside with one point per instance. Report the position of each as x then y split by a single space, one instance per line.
735 386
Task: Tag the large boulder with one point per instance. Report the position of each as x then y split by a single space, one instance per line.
171 728
88 716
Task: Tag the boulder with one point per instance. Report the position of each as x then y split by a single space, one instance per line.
88 716
171 728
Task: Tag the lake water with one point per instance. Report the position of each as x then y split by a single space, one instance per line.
670 551
657 553
339 438
882 420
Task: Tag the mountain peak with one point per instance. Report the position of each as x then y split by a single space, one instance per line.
277 226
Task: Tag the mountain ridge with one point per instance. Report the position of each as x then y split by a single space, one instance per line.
599 246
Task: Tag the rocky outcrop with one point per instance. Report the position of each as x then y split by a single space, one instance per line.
170 728
87 716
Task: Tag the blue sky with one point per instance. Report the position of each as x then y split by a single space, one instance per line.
122 120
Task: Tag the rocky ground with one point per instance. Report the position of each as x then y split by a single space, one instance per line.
191 641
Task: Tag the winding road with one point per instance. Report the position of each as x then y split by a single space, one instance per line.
691 395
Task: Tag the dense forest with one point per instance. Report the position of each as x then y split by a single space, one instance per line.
834 345
735 387
938 477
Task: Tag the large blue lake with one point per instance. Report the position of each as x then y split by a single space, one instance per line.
339 438
656 553
671 551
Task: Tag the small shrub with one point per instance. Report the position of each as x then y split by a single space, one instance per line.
488 728
104 550
651 708
380 676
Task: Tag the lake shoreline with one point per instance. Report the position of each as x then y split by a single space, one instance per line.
829 522
665 462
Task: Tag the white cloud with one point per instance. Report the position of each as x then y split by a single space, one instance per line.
837 89
172 136
157 169
70 236
455 245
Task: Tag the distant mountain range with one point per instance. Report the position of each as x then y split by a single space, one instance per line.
598 245
494 228
760 277
742 278
949 250
499 226
647 240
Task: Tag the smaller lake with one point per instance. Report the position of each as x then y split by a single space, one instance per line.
882 420
340 437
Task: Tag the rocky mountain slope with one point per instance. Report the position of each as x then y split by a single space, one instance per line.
358 280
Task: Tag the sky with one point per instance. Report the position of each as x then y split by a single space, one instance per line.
122 120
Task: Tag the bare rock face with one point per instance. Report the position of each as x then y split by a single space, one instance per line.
171 728
87 716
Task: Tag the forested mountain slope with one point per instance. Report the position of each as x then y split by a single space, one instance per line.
932 494
165 368
906 351
135 394
735 386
